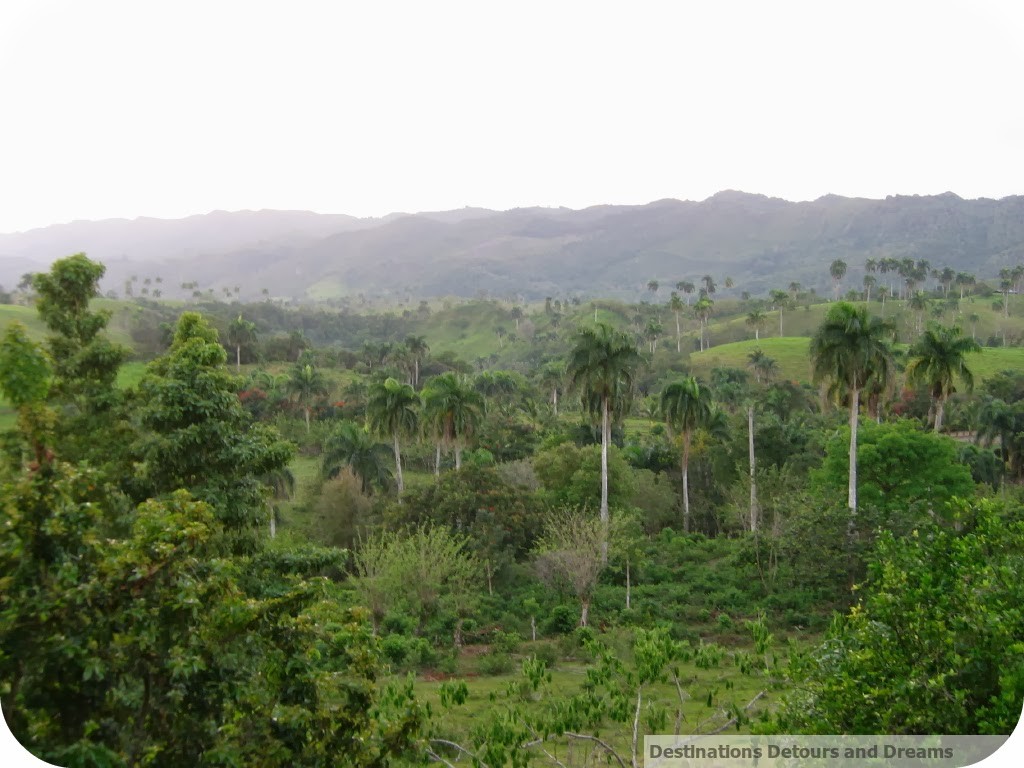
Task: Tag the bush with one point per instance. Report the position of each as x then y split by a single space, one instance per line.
562 620
495 664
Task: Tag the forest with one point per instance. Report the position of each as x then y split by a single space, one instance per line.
494 532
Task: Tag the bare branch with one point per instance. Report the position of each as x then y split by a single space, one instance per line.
603 744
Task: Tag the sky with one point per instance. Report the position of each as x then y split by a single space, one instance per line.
167 109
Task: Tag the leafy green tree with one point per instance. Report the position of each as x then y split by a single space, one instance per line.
241 332
933 646
687 406
571 476
350 446
899 468
601 367
552 375
392 409
307 384
85 362
453 409
25 378
702 311
849 349
936 360
198 436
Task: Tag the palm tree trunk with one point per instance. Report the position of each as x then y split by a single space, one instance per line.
686 488
604 480
458 457
940 407
629 585
852 490
416 372
238 357
306 412
753 476
437 461
677 332
757 333
554 400
398 465
780 322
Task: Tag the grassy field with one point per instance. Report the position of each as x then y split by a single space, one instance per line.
791 355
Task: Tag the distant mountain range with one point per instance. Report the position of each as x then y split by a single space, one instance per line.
607 250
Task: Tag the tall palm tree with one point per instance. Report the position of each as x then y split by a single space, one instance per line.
709 284
780 299
765 369
453 408
350 446
756 320
850 349
392 409
307 385
936 360
686 406
240 332
869 282
702 310
551 377
676 305
686 287
418 349
837 271
600 367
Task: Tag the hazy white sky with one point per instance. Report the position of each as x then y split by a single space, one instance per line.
122 109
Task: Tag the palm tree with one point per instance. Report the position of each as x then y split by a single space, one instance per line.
307 384
756 320
686 287
676 305
781 300
392 409
919 304
709 284
652 332
974 317
454 409
686 406
350 446
936 360
702 309
240 331
652 286
600 367
418 349
551 377
850 349
869 283
837 270
764 369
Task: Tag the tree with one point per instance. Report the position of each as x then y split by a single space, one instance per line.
307 385
687 407
676 305
927 644
392 409
780 300
572 551
240 333
837 270
936 360
552 375
702 310
652 286
869 282
652 332
85 363
419 349
850 349
756 320
601 366
353 447
686 287
709 284
454 410
198 436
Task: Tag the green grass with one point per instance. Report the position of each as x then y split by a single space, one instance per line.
789 353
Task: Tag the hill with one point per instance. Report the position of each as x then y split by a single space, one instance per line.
608 250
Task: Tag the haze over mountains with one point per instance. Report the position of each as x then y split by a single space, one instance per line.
761 242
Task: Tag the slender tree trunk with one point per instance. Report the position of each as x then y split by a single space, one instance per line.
629 586
780 322
238 357
416 372
458 457
604 479
686 488
554 400
940 407
533 627
677 333
306 411
852 490
398 465
757 333
753 475
437 461
273 523
584 610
